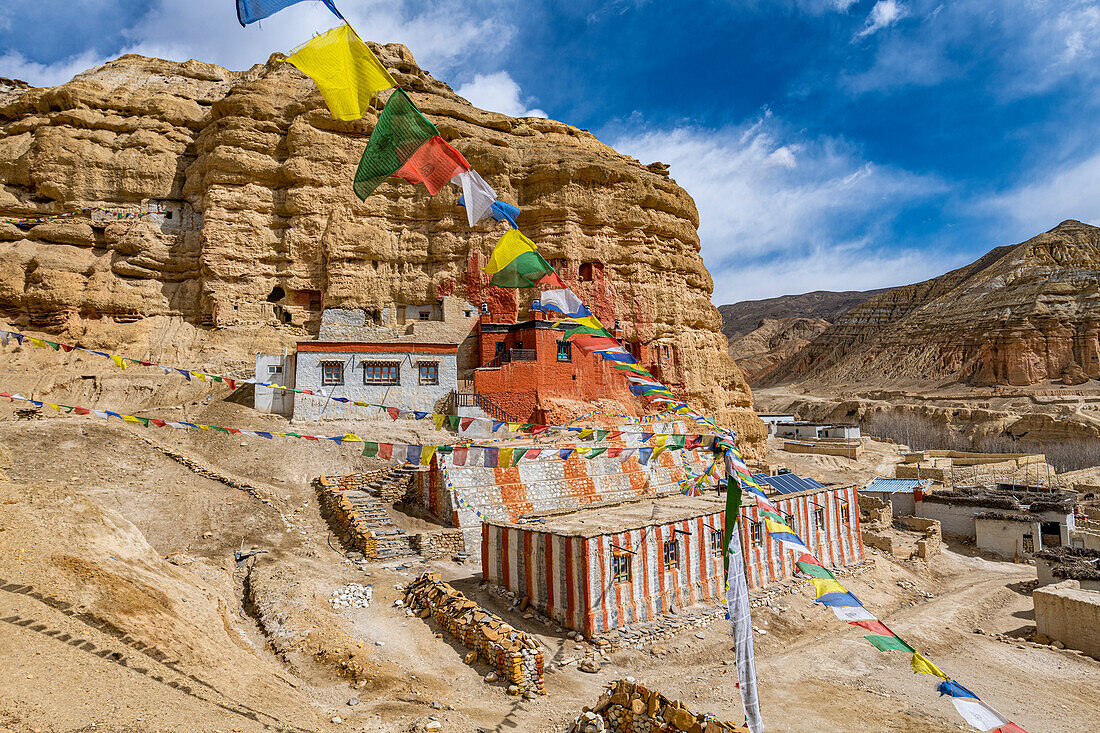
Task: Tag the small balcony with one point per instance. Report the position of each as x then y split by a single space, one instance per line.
509 355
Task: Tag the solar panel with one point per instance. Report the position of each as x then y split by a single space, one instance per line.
788 483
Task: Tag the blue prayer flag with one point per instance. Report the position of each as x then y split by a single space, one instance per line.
249 11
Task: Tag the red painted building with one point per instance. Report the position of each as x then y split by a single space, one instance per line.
524 367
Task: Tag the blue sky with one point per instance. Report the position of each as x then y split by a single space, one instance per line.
829 144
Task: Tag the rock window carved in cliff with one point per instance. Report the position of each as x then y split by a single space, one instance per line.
588 271
429 372
381 372
332 373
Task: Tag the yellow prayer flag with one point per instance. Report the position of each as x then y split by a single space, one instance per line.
351 438
504 458
130 418
345 70
513 427
587 432
204 427
118 361
921 663
55 407
37 342
426 455
508 248
826 585
438 419
659 440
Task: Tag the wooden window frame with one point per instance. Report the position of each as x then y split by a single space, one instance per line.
670 560
382 382
326 381
421 366
620 566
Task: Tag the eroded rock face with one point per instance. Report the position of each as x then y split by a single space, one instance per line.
1020 315
256 228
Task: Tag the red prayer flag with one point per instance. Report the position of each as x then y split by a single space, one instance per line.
434 164
875 627
588 344
614 451
553 280
464 423
67 348
78 410
385 450
458 458
158 423
232 384
394 412
1010 728
532 453
233 430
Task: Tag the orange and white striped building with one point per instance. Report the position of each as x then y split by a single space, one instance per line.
598 569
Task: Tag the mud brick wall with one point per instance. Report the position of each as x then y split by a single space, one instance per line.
434 545
628 707
342 517
515 656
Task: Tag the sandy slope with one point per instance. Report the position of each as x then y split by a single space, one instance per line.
265 646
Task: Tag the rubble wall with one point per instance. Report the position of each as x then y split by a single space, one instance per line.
515 656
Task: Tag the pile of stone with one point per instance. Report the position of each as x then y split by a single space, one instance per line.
628 707
389 485
515 656
352 595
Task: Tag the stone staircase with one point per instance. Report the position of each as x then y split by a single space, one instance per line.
392 541
356 504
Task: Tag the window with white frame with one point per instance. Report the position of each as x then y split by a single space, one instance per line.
382 372
332 373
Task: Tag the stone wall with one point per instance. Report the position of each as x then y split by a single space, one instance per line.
823 448
933 537
628 707
875 511
435 545
1067 613
515 656
388 491
337 509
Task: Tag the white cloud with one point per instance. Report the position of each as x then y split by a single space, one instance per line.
848 267
444 36
15 66
884 14
1071 192
497 92
770 199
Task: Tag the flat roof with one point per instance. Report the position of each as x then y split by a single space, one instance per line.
623 517
377 347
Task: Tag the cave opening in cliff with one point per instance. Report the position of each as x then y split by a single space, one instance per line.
277 294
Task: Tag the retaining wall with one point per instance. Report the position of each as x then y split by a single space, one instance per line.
628 707
516 656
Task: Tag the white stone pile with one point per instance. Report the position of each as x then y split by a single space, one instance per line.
352 595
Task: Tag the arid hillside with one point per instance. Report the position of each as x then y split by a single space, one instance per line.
256 230
739 319
759 351
1020 315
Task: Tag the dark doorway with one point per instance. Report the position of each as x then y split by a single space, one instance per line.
277 294
1051 534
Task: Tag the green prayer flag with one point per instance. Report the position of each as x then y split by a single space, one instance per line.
602 434
452 422
888 643
370 450
814 571
595 452
733 510
400 131
517 454
675 441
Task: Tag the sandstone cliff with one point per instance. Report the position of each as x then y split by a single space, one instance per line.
256 229
1020 315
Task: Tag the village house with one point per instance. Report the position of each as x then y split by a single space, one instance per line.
594 570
